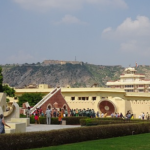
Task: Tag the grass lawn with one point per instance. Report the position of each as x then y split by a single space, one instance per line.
133 142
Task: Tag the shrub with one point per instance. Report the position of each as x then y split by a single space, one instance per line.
73 120
23 116
72 135
69 120
104 121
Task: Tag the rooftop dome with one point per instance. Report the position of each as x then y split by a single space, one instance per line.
129 69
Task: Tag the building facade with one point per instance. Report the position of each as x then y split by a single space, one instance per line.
131 82
104 100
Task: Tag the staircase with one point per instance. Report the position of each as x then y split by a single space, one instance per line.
47 97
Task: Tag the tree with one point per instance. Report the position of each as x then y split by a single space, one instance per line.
1 80
6 89
31 98
9 91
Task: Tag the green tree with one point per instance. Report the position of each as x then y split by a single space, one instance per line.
6 89
9 91
1 80
31 98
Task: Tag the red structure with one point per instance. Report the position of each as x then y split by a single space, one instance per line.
107 107
56 101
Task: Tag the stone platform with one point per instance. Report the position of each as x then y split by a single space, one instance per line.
43 127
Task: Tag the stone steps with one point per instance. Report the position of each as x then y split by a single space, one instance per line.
21 120
9 130
18 127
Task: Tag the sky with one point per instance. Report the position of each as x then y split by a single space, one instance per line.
101 32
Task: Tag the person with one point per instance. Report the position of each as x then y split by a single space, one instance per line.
77 114
48 115
36 118
66 113
87 113
38 113
143 115
60 116
112 114
121 115
40 110
147 116
80 112
42 114
54 113
84 112
2 124
97 114
129 116
71 112
28 112
74 112
116 115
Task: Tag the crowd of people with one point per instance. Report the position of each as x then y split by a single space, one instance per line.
48 114
143 116
83 112
127 116
77 113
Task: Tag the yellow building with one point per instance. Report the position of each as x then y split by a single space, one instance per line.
131 82
100 99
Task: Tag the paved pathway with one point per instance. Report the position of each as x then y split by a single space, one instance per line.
41 127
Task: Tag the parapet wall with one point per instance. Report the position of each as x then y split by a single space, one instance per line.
55 62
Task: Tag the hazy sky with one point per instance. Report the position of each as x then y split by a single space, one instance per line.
103 32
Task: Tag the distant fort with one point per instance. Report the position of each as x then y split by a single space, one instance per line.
55 62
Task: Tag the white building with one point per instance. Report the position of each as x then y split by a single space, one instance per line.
131 82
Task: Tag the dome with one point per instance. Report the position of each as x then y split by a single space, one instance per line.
130 70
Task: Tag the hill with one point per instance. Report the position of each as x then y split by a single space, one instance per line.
75 75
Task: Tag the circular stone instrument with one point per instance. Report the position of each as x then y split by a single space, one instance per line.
106 107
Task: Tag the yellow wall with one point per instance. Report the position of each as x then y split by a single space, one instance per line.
136 102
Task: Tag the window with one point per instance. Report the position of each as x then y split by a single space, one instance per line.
117 86
129 90
141 90
72 98
79 98
128 86
83 98
93 98
86 98
141 85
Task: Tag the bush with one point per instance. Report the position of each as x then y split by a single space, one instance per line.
104 121
23 116
64 136
69 120
73 120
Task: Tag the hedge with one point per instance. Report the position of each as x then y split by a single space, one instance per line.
102 121
69 120
65 136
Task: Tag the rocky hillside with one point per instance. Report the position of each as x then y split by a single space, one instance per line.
75 75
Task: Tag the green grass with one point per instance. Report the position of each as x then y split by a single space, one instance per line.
133 142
